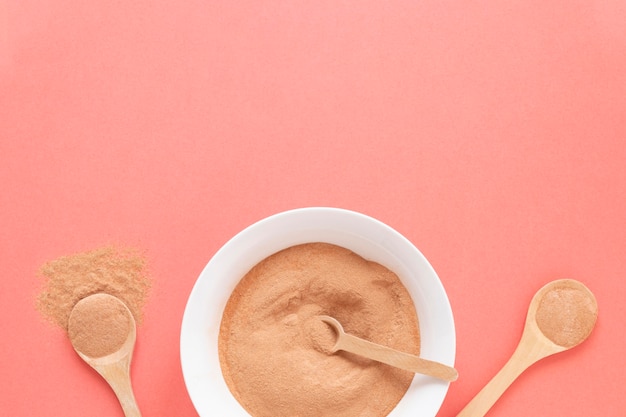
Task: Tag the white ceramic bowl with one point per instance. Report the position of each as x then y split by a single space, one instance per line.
363 235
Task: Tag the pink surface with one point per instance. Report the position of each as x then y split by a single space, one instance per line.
491 134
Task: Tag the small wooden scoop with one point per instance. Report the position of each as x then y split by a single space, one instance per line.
561 315
387 355
103 333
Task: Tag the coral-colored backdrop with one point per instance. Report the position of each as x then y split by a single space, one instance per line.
491 134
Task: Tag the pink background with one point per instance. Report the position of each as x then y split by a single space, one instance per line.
491 134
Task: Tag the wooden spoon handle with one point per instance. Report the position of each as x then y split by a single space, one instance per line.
487 397
117 374
528 351
389 356
534 344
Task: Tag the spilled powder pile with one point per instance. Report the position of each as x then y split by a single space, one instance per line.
120 272
273 350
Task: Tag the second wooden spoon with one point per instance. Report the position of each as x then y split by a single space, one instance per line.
103 333
561 315
387 355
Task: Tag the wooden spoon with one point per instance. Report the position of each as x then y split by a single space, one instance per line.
561 315
387 355
103 333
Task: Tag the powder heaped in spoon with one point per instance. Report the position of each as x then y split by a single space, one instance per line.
566 315
99 325
321 335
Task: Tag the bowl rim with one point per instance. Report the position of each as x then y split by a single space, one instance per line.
360 233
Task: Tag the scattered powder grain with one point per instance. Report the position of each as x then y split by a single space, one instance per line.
273 350
120 272
99 325
566 315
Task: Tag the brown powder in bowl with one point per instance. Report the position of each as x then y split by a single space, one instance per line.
272 351
99 325
566 315
120 272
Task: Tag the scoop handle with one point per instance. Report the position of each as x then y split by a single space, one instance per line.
117 374
487 397
529 350
389 356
